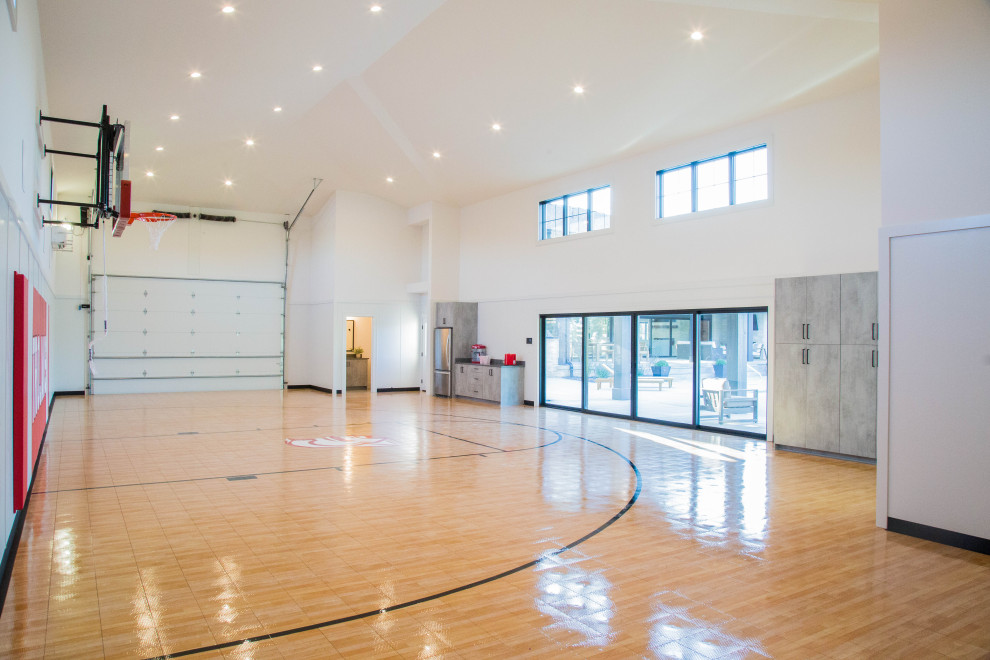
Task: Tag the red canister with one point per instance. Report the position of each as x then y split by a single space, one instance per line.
510 359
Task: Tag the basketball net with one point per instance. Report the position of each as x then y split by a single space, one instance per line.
157 224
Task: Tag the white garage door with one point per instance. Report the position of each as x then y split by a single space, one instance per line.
185 335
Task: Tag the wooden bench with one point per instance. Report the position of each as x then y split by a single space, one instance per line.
659 380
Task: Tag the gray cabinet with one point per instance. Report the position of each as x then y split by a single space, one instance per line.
494 383
445 315
806 396
357 373
825 363
858 406
860 324
822 403
463 318
790 393
806 310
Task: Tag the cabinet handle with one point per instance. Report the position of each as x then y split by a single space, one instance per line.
809 355
876 331
809 337
803 325
873 358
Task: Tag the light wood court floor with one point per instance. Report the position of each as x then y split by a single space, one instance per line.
184 525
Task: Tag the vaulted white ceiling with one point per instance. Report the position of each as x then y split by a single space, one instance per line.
423 76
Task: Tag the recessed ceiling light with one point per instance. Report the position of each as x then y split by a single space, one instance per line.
277 108
496 127
697 35
149 173
159 148
390 179
228 182
195 74
375 9
578 89
249 142
228 9
174 117
436 154
317 67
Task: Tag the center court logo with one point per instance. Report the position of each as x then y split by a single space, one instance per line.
339 441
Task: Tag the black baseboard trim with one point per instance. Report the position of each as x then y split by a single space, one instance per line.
397 389
827 454
69 393
939 535
325 390
10 551
527 402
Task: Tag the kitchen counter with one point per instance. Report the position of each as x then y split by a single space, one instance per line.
495 363
495 382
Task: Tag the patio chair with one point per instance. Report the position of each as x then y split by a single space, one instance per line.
719 397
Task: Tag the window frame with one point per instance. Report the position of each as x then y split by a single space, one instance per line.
731 155
589 196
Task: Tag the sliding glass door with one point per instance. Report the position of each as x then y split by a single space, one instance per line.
732 350
562 365
702 369
608 381
665 368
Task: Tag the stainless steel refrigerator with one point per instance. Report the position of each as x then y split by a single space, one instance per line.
443 361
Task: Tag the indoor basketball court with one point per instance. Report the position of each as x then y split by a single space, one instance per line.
260 290
185 525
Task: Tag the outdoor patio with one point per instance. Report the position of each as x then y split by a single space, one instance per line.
667 400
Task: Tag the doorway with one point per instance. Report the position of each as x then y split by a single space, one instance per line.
358 354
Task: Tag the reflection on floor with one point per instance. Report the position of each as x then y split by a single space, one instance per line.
184 523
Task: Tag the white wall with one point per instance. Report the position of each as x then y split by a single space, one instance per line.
24 246
252 248
823 218
933 446
935 98
360 253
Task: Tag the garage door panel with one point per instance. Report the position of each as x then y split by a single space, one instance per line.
182 367
206 384
170 331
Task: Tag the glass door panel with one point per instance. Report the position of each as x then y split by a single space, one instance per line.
733 371
665 368
608 358
562 361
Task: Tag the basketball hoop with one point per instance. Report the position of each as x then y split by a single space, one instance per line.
157 223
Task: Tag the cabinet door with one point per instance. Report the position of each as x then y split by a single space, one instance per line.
461 381
858 303
491 384
790 386
445 315
858 401
789 311
821 427
823 310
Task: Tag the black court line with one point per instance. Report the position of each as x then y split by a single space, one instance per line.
317 469
425 599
